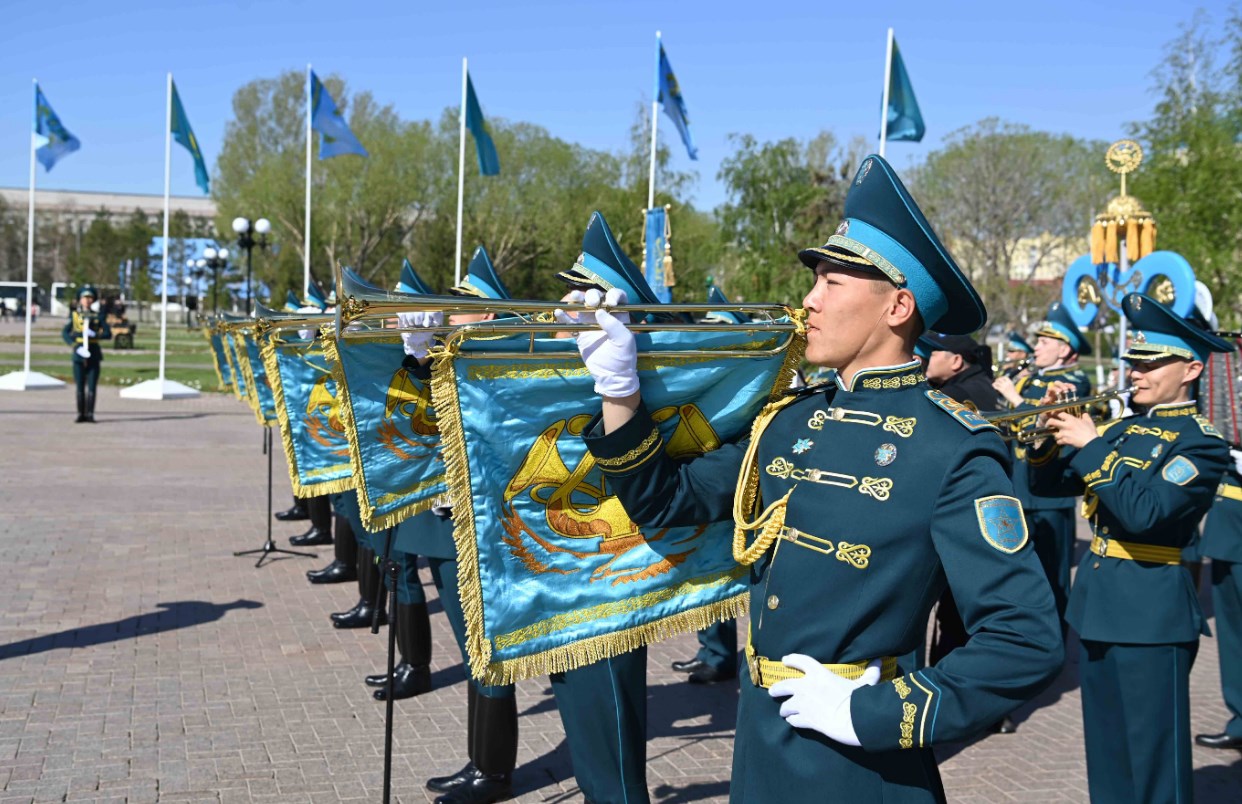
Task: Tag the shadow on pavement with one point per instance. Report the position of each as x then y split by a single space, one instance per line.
174 616
1219 782
667 794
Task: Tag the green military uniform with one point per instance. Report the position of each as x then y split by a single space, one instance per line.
86 369
1222 542
1148 479
890 491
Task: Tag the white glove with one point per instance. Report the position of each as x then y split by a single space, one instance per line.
1237 459
417 343
820 699
90 332
83 351
610 353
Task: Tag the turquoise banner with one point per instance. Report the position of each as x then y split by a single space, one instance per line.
553 574
261 400
223 373
309 413
231 354
394 438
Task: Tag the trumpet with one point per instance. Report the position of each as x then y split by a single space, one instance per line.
1029 435
1012 367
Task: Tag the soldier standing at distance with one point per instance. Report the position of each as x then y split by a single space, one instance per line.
84 330
1148 480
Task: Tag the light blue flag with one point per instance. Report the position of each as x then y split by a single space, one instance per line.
558 574
489 161
220 360
394 438
669 93
184 135
653 257
335 137
52 139
231 354
309 411
905 121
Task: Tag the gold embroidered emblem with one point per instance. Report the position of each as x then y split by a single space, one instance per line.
903 689
877 487
899 425
856 555
908 710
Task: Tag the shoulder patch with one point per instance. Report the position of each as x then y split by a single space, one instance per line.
964 414
1205 424
1179 471
1001 522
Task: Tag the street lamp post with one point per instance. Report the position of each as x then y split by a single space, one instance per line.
246 231
215 259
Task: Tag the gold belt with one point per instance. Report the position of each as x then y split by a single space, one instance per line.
765 672
1230 492
1133 551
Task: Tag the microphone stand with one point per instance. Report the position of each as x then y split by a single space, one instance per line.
269 546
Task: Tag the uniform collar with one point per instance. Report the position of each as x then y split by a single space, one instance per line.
1168 410
1068 367
884 378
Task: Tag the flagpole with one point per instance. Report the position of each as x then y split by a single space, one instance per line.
655 115
30 249
307 244
167 185
888 69
461 170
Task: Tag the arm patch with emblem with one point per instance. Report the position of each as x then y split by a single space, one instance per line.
1001 522
1179 471
966 416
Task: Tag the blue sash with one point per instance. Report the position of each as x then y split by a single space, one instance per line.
309 413
394 441
553 574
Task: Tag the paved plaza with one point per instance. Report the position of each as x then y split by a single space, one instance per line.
141 661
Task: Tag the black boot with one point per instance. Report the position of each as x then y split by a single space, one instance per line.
320 510
81 407
336 572
413 676
445 784
294 514
345 566
495 754
90 406
368 582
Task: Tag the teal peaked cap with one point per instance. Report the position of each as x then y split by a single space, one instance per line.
603 265
411 282
884 231
314 297
481 279
1059 324
1159 333
291 302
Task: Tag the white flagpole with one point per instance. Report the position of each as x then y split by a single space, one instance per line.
461 170
306 260
655 116
30 250
167 180
888 70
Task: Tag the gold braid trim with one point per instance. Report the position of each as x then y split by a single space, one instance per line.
746 495
243 354
621 461
605 646
793 356
215 359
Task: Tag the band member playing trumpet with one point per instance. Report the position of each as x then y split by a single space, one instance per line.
1148 480
1050 520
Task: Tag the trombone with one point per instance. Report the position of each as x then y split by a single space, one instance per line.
364 312
1029 435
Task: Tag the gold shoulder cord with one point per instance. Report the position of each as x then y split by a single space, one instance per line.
772 520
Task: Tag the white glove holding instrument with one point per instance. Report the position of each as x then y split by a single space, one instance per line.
84 352
90 333
820 699
610 353
1237 459
417 343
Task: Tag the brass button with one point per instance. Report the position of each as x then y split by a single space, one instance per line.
1105 531
773 602
838 414
1096 565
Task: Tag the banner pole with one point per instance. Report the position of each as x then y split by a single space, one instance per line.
306 244
461 170
888 76
655 115
167 189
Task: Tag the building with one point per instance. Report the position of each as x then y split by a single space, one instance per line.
81 206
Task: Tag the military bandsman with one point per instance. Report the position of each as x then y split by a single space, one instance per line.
83 331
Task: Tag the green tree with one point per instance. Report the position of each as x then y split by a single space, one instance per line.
1191 178
1009 201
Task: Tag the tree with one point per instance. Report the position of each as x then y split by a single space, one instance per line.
997 190
1191 178
783 196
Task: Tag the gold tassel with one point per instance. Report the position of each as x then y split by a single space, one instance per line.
1097 243
1149 237
746 495
1132 240
670 279
1110 242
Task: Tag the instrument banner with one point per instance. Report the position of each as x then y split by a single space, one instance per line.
394 440
260 392
553 574
231 355
219 360
309 412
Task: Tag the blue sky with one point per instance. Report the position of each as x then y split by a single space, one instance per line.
580 69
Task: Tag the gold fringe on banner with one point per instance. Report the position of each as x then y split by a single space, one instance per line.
234 369
300 489
1132 240
252 395
1110 242
215 360
1097 243
1148 237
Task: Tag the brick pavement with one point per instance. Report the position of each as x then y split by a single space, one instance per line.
141 661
